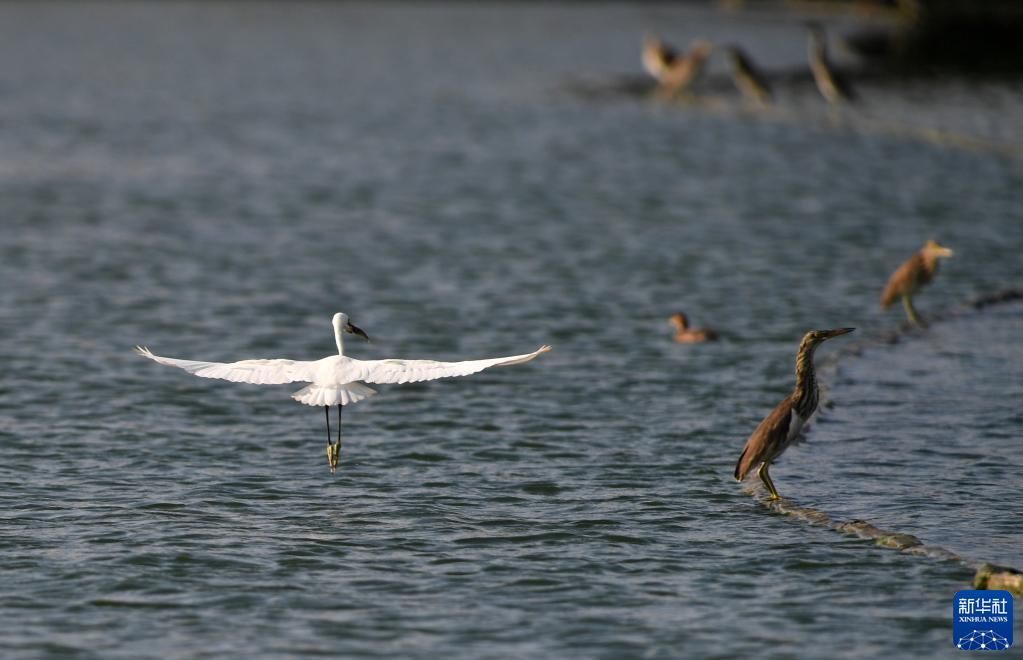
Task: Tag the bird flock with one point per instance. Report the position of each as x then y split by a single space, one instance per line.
340 380
676 72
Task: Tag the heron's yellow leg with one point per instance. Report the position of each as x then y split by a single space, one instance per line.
765 476
907 303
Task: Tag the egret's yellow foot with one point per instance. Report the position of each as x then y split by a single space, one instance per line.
333 454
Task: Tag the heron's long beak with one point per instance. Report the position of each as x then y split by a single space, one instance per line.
945 252
356 330
838 331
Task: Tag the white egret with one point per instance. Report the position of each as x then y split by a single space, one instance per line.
335 380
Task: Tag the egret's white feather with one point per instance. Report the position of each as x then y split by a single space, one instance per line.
257 372
336 370
413 371
331 395
335 379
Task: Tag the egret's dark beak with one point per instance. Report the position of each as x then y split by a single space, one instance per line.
838 331
356 330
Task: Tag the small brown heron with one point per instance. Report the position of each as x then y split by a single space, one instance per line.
674 72
831 84
914 272
750 81
686 335
781 428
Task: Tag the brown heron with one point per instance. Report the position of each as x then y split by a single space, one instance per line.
674 72
750 81
686 335
781 428
914 272
831 84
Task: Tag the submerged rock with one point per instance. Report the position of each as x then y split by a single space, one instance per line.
881 537
990 576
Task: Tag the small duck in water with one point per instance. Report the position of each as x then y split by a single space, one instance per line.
686 335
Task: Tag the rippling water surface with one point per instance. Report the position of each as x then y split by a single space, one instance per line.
216 181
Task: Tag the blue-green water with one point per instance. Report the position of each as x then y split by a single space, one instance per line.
216 181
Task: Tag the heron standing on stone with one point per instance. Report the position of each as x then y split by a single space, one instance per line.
781 428
914 272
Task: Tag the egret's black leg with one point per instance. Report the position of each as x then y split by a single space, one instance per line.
326 409
339 426
331 449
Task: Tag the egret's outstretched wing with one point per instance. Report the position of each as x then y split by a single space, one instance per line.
259 372
411 371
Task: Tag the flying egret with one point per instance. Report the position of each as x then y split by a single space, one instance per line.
335 380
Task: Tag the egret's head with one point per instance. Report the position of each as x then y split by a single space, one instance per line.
933 249
342 324
815 337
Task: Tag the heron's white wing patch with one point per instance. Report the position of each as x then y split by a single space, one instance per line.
258 372
795 427
411 371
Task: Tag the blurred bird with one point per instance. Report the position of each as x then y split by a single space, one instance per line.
914 272
335 379
657 55
831 84
686 335
781 428
674 73
750 81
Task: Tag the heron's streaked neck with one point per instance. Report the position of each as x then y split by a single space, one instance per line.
340 342
805 391
930 263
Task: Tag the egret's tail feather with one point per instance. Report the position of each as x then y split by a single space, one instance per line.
332 395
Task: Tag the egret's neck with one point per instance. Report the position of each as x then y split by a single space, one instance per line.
340 342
